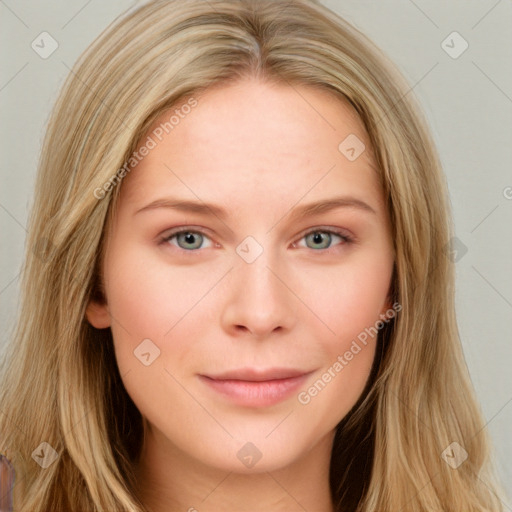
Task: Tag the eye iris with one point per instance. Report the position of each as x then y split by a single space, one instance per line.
317 238
188 238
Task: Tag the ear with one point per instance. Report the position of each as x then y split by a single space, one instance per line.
97 314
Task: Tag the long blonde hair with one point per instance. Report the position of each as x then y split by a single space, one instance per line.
61 384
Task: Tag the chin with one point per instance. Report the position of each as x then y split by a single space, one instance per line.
261 452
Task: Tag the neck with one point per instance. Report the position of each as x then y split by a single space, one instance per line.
169 481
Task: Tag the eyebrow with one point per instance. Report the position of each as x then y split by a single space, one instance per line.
300 212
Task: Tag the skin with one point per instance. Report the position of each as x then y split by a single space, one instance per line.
259 151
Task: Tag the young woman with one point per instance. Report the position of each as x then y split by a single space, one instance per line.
236 294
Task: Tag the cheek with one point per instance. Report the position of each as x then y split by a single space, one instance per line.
147 296
148 301
163 303
139 305
349 298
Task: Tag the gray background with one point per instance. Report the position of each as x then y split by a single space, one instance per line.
468 103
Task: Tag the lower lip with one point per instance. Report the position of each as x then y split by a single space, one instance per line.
256 394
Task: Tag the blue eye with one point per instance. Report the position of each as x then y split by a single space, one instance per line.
322 239
186 239
318 239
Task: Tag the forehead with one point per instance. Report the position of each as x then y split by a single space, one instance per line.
250 137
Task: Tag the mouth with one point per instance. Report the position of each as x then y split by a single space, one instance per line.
256 388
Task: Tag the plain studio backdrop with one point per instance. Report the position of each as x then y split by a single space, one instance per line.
456 56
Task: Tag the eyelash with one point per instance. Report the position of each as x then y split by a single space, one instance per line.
346 239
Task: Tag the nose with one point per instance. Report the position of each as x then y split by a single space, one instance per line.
258 302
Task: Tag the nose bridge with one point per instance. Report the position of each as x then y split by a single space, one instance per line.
258 280
258 301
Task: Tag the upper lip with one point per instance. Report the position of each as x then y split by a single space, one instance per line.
258 375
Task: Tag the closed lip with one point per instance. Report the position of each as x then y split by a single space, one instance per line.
250 387
258 375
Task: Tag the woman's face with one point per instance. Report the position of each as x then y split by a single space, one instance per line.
240 340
